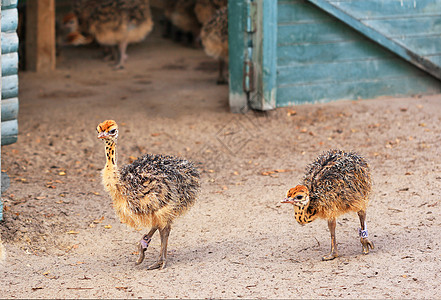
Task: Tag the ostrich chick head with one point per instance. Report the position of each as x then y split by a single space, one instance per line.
298 196
70 22
108 130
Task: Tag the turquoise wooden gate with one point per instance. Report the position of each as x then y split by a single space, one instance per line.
306 51
9 64
9 82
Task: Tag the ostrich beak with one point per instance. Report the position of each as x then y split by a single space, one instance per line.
102 135
287 200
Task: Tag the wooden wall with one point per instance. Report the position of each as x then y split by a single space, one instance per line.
320 58
9 71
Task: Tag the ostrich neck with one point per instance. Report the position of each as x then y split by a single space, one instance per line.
110 171
305 214
111 155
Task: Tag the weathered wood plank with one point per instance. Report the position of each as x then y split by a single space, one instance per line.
373 69
401 50
9 139
9 86
425 45
9 20
7 4
9 109
313 93
5 183
9 64
269 60
331 31
2 186
264 56
9 132
371 9
335 30
40 40
330 52
236 39
436 59
408 26
9 42
300 12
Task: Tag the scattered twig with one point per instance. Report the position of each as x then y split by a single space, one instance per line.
318 243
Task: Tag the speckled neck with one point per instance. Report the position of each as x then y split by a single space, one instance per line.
305 214
110 155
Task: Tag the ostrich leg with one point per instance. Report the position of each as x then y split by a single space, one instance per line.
333 254
364 233
144 244
221 78
162 261
122 48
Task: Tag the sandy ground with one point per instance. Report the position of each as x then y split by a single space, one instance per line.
63 239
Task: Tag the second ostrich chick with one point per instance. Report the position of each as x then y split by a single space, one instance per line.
184 18
150 192
337 182
111 22
205 9
214 37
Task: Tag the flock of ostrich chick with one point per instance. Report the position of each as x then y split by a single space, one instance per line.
114 24
155 189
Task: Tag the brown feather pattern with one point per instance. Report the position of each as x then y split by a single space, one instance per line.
338 182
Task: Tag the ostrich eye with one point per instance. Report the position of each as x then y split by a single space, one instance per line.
299 197
112 131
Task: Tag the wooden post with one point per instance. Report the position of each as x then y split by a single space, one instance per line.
237 40
1 201
265 56
40 35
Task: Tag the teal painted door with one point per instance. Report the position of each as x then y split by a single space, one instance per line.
409 28
9 71
300 51
252 45
320 58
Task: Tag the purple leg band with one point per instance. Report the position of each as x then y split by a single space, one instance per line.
145 242
363 233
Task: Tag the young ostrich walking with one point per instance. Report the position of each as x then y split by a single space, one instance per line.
335 183
150 192
214 37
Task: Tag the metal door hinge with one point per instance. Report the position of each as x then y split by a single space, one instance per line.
248 76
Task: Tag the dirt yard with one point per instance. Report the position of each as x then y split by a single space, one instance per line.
63 239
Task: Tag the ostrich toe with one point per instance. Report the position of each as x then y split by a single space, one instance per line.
160 264
330 256
366 245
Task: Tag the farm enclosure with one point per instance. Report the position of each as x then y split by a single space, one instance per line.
64 240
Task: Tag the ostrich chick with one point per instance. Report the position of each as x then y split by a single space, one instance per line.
111 22
337 182
205 9
150 192
184 18
214 37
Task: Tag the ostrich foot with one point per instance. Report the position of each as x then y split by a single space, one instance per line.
366 244
160 264
330 256
142 247
119 66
